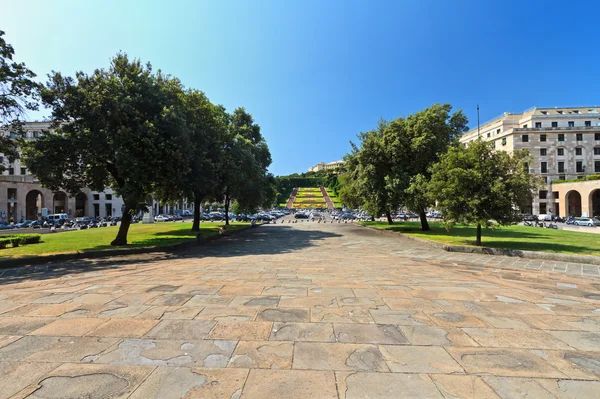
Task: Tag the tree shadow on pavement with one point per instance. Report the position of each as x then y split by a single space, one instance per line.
269 240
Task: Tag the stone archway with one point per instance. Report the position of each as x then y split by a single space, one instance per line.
595 203
80 205
573 201
59 203
34 202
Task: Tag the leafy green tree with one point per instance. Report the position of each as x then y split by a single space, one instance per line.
476 184
244 160
18 93
415 143
207 127
123 127
368 174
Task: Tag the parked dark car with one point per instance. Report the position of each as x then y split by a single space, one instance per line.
301 215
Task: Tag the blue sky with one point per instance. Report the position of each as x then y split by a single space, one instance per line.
315 73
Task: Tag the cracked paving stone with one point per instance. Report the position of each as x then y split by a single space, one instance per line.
518 387
326 356
463 386
340 315
124 328
425 335
403 318
181 329
419 359
503 362
169 300
192 383
227 313
386 386
284 315
263 354
164 288
310 332
90 381
241 330
16 376
369 334
204 353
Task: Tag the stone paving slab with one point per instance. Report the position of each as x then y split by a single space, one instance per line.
301 311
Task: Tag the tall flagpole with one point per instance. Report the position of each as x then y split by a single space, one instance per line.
477 120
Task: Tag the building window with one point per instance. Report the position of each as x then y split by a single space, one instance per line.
555 194
544 112
571 124
579 151
579 167
597 136
538 125
560 152
96 197
596 166
542 194
588 123
11 171
544 167
579 136
12 193
561 137
23 171
498 131
554 124
562 177
36 134
525 138
561 168
525 126
108 197
545 180
543 152
488 135
596 150
526 167
542 208
503 140
560 112
542 137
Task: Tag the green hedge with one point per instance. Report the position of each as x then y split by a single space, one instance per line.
590 177
19 239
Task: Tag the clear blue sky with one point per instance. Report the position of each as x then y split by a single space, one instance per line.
315 73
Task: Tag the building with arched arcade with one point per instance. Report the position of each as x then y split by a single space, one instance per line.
22 197
565 146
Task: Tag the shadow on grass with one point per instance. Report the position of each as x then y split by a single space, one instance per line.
538 239
266 240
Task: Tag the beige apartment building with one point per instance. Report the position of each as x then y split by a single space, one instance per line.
22 197
564 144
322 166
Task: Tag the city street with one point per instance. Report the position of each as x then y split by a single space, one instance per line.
301 310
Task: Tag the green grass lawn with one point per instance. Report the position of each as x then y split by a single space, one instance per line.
140 235
509 237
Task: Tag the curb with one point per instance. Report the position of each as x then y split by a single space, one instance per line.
103 253
587 259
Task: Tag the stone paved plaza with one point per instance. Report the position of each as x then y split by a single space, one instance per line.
301 311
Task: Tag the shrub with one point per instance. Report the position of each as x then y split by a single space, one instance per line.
19 239
16 241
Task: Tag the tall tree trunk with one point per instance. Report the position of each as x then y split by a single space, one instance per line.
121 238
478 239
197 203
227 199
388 215
424 222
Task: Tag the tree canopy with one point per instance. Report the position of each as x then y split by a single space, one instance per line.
18 93
123 127
476 184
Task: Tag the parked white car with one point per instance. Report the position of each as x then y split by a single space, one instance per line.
591 222
161 218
